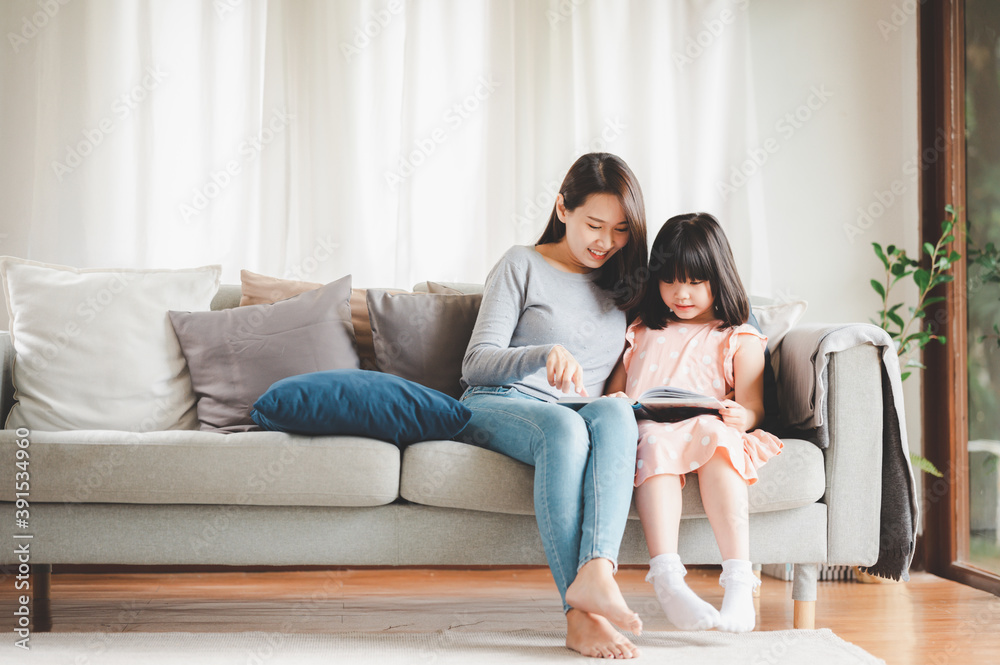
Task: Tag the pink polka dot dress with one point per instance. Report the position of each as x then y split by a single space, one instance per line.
697 357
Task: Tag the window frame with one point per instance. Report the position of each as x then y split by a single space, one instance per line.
944 546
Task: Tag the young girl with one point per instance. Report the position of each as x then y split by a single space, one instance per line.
691 333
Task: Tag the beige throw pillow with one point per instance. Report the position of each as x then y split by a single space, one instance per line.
261 289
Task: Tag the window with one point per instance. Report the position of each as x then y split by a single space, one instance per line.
960 100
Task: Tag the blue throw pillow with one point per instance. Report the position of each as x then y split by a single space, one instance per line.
361 403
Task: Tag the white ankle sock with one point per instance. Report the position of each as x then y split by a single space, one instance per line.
682 606
738 614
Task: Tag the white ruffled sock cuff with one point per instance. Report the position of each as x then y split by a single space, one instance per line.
739 571
666 565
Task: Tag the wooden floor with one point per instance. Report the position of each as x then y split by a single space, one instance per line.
924 621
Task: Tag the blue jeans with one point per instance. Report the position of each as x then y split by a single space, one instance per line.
584 469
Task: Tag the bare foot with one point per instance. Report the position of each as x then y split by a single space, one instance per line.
595 591
594 636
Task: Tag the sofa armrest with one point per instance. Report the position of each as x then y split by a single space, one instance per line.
854 456
853 417
7 378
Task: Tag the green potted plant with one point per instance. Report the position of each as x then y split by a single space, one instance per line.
909 334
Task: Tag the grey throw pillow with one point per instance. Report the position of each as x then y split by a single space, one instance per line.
422 337
235 355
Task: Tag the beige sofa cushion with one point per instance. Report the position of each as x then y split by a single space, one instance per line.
457 475
191 467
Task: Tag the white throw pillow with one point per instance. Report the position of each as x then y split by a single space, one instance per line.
94 349
776 318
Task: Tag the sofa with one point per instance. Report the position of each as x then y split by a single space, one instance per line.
188 497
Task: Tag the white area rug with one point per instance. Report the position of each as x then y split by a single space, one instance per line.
813 647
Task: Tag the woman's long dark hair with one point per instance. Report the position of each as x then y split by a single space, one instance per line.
604 173
694 247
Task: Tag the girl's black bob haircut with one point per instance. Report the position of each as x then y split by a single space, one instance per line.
694 247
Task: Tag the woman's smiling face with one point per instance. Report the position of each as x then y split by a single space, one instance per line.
595 230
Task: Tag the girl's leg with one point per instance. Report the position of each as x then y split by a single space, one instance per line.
724 495
607 496
658 500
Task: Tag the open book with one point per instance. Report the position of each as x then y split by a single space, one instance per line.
662 403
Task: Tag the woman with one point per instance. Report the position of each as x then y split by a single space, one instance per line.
552 322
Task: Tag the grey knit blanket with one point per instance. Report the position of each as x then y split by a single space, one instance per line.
899 513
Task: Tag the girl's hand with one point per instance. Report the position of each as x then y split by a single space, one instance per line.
735 415
564 372
619 393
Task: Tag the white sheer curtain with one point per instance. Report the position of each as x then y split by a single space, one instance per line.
394 140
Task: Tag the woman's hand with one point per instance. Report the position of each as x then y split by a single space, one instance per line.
619 393
564 372
736 415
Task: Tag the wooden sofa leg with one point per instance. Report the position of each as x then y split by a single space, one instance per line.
805 614
41 615
804 578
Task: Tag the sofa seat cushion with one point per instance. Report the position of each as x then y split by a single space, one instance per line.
191 467
457 475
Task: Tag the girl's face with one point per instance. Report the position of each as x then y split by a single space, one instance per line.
690 300
595 230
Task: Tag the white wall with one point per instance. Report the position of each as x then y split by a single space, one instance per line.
844 155
849 153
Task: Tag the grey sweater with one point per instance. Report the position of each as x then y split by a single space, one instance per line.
528 307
